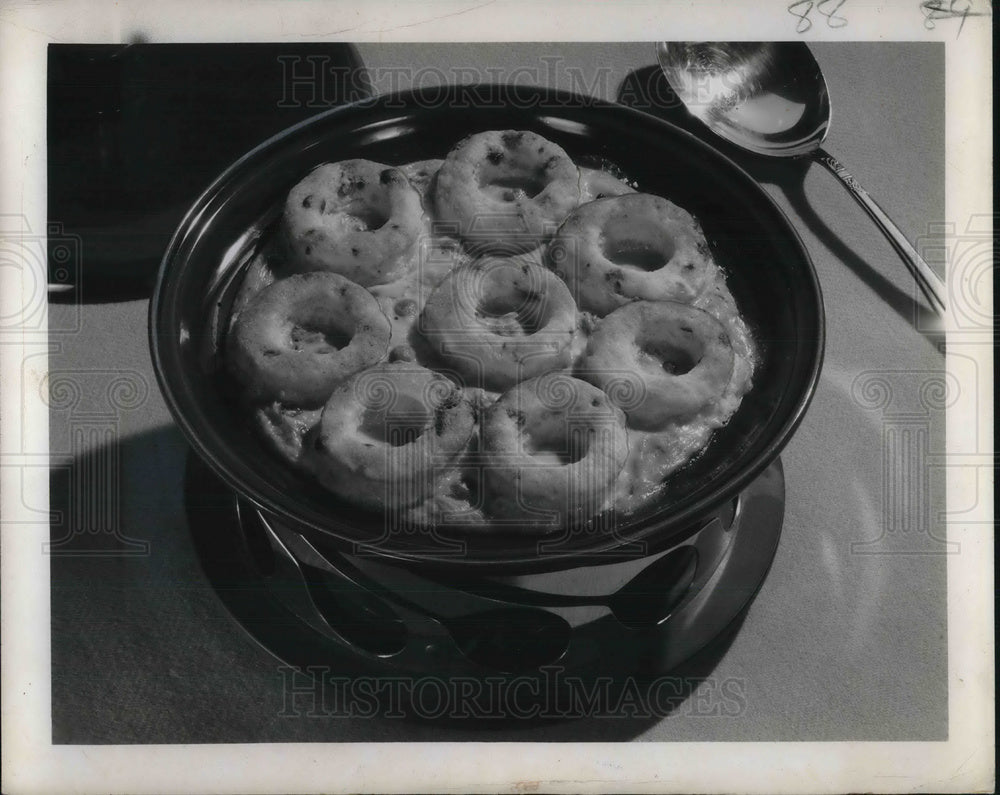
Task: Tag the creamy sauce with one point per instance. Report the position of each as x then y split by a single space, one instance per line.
652 455
286 428
403 300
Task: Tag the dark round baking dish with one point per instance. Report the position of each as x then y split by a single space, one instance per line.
768 271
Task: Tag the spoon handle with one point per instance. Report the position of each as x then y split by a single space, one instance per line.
928 281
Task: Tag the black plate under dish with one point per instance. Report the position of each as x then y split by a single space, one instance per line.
768 271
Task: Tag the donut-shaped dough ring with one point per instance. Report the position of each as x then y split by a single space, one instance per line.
357 218
631 247
497 321
303 335
552 447
389 434
506 191
598 184
661 361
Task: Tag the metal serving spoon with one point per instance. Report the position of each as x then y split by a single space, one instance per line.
771 99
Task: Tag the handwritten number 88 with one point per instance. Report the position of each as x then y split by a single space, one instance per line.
822 7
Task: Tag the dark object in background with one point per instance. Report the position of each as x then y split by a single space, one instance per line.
136 133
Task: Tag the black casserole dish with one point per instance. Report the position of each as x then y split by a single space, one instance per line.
768 272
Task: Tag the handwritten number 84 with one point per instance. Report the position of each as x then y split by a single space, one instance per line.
828 8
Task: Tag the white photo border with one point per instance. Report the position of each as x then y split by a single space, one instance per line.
963 763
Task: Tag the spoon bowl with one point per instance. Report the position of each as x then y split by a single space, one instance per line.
771 98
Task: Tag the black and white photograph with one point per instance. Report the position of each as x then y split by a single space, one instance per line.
497 398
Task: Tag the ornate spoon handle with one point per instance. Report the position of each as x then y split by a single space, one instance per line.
928 281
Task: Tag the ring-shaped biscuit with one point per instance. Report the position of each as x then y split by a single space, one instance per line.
660 361
630 247
303 335
389 434
499 321
506 191
552 447
357 218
